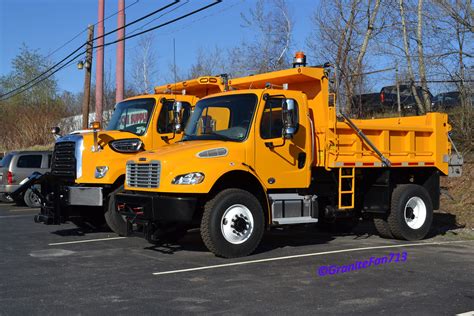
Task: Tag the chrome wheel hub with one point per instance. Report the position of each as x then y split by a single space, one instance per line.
237 224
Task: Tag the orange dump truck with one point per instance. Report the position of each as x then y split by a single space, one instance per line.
272 151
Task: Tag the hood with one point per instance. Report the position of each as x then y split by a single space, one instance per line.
184 149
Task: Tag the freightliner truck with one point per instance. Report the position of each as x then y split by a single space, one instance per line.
87 166
272 150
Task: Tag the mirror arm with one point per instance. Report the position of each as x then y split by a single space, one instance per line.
166 138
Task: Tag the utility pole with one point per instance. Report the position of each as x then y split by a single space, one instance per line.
87 79
119 69
99 66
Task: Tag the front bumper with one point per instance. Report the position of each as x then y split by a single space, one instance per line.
155 208
86 196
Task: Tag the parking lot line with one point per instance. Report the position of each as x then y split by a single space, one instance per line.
83 241
11 216
305 255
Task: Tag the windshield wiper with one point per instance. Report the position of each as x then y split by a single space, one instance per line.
220 136
124 130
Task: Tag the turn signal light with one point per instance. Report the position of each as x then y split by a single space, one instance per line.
95 125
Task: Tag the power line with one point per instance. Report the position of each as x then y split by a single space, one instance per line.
83 31
104 45
80 47
161 25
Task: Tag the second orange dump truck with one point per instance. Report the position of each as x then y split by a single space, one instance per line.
87 166
272 150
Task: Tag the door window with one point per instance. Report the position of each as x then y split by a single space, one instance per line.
272 124
166 118
29 161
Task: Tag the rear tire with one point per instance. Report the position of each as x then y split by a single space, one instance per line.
114 220
232 224
382 227
411 212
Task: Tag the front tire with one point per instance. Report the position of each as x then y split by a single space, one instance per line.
411 212
114 220
31 199
232 224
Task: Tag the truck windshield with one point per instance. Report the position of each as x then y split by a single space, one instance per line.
221 118
132 116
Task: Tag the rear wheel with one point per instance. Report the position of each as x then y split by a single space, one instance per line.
382 228
411 212
114 220
232 224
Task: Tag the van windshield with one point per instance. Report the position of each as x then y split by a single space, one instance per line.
225 118
132 116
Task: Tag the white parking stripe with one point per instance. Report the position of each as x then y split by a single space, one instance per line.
83 241
471 313
11 216
306 255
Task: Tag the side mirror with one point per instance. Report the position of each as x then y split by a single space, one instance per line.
177 108
55 131
289 118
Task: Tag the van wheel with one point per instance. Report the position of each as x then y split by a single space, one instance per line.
5 198
411 212
31 199
114 220
382 228
232 224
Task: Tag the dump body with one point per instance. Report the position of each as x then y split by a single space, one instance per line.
415 141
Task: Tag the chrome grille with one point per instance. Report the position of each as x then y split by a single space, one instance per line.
64 160
143 175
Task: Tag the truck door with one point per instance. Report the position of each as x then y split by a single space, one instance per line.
282 163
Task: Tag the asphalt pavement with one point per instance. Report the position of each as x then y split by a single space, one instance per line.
301 270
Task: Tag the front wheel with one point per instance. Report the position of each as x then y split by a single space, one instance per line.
114 220
31 199
411 212
232 224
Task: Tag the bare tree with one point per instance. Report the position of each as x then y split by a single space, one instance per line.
144 65
208 63
272 25
344 29
406 45
455 10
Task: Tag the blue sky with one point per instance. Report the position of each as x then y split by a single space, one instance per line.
47 24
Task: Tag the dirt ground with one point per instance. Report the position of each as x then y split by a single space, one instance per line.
458 197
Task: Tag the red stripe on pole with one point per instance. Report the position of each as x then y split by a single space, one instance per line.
119 69
99 70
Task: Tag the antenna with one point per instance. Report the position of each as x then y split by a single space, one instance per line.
174 62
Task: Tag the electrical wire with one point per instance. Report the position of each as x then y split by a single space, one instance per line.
83 31
98 46
80 47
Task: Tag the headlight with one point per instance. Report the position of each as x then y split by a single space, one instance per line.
189 178
131 145
101 171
